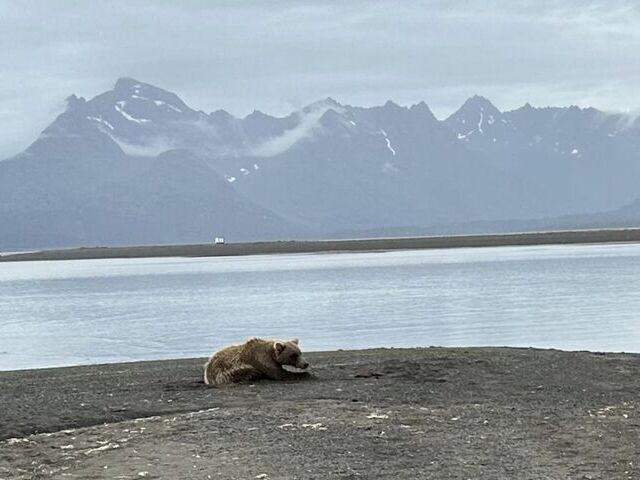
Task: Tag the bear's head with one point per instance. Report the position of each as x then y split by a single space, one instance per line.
288 353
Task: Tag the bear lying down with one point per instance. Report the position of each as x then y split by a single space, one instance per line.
255 359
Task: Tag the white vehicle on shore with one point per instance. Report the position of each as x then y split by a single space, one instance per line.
218 241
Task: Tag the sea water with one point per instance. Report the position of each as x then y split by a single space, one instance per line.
58 313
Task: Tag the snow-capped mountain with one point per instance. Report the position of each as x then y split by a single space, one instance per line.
137 165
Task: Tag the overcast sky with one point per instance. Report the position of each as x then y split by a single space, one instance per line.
276 56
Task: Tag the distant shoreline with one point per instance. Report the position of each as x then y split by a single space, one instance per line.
569 237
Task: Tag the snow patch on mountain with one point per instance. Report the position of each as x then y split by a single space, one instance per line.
158 103
389 147
101 121
168 105
119 106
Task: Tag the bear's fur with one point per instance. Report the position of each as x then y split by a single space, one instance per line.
255 359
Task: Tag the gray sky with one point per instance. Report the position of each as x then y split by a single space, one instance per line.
276 56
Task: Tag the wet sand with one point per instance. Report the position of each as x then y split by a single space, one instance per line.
433 413
311 246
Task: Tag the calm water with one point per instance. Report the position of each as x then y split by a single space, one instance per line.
87 311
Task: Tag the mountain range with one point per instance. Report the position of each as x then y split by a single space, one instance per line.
136 165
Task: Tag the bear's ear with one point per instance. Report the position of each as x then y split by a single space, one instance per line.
278 347
296 341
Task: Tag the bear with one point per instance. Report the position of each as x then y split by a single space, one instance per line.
255 359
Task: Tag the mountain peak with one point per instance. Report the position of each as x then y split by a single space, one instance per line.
422 109
324 104
390 104
331 102
420 106
146 99
127 87
126 84
74 101
257 115
472 114
222 115
479 103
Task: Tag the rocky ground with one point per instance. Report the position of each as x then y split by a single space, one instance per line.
435 413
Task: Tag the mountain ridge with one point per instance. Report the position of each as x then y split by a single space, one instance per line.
325 168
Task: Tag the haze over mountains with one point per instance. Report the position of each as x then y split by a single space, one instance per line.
136 165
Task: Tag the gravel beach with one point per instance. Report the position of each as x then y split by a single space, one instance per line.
575 237
433 413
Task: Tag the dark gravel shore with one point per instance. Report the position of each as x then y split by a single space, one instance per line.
477 413
616 235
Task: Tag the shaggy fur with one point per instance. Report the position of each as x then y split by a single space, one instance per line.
257 358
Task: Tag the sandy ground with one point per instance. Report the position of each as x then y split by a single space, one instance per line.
310 246
433 413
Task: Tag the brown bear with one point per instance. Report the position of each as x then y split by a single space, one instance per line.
255 359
